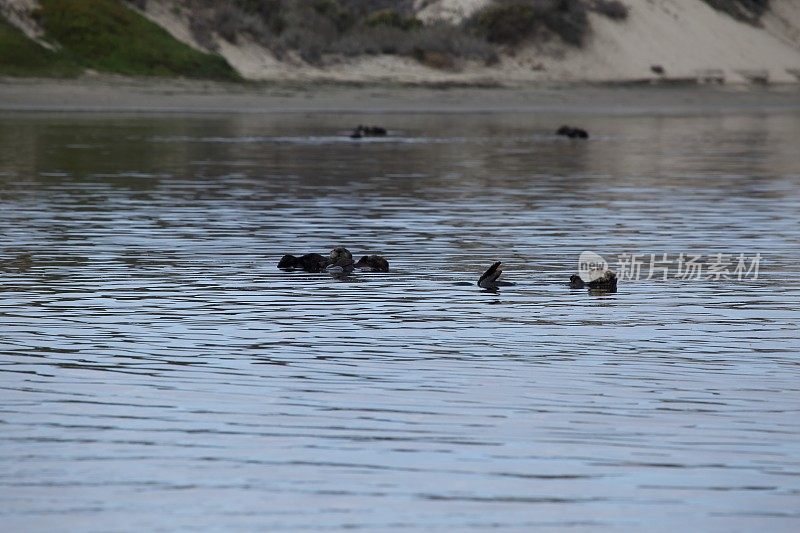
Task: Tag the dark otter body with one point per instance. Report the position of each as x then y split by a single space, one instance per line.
373 263
307 262
368 131
572 133
607 282
575 282
490 279
343 266
340 261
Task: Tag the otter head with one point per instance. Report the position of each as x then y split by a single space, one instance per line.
288 261
376 263
340 253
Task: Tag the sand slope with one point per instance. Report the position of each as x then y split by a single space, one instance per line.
685 37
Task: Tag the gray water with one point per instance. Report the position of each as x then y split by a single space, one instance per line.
159 373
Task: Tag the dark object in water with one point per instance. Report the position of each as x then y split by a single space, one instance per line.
373 263
345 266
340 253
606 283
575 282
572 133
374 131
657 69
307 262
368 131
340 261
489 278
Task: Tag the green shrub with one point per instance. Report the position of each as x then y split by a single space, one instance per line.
106 36
434 43
567 19
507 23
748 11
21 56
341 17
315 29
431 45
393 19
510 22
613 9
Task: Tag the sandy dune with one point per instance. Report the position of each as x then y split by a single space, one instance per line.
686 38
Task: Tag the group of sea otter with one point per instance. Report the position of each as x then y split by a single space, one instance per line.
368 131
602 282
340 261
379 131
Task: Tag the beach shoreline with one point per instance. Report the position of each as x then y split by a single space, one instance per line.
149 95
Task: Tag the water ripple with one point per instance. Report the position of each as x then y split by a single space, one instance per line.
159 371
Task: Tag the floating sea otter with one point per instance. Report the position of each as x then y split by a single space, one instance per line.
607 282
572 133
490 279
307 262
340 261
373 263
368 131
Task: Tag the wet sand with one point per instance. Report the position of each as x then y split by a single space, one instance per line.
104 94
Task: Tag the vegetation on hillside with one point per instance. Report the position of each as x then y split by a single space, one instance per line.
748 11
21 56
514 21
315 30
107 36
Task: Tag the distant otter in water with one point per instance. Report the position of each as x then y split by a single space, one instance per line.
605 283
368 131
340 261
373 263
307 262
490 279
572 133
575 282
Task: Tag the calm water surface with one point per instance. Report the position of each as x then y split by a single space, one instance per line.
158 373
